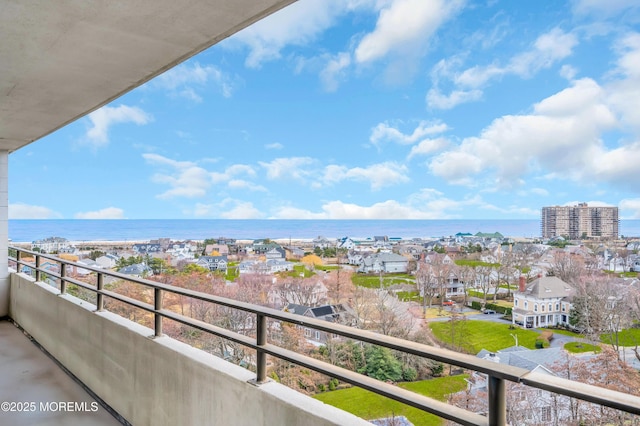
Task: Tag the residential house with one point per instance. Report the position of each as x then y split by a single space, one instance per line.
544 302
340 313
384 262
322 243
50 245
312 295
524 405
108 261
216 250
138 270
278 265
381 242
294 253
260 247
275 253
213 263
146 248
86 262
270 266
346 243
413 250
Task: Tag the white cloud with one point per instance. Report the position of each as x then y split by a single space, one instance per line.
405 27
624 91
106 213
239 210
188 80
427 204
243 184
630 208
590 203
428 146
227 209
377 175
297 24
295 168
105 117
603 8
561 136
548 49
185 178
26 211
383 132
435 99
334 71
274 146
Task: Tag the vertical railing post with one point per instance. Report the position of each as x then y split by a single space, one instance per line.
18 265
261 356
497 402
157 305
38 275
100 297
63 281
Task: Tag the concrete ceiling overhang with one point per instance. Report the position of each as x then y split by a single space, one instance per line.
60 60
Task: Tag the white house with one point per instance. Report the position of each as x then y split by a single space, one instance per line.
544 302
107 261
384 262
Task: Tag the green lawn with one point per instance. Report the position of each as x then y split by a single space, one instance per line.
628 337
564 332
369 405
577 347
373 280
480 335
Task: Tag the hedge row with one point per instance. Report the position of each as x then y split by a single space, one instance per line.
499 309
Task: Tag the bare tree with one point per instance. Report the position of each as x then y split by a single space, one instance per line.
427 285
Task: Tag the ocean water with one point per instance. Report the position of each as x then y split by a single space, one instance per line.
196 229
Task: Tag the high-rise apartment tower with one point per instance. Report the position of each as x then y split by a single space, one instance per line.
579 221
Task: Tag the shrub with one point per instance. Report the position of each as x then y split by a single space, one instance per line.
547 335
437 369
321 387
333 384
409 374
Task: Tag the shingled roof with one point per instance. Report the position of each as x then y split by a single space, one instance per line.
549 287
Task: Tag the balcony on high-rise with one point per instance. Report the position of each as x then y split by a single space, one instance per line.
60 61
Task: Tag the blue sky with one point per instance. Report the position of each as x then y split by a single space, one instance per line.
365 109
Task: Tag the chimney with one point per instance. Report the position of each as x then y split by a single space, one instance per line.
522 283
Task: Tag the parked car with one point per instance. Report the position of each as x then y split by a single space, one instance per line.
489 311
448 303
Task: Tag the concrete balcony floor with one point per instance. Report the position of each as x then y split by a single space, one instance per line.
35 383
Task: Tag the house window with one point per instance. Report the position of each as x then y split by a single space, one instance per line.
542 307
317 335
563 307
516 302
535 307
557 306
526 305
307 332
545 414
550 307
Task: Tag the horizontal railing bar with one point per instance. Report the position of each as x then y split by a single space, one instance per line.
595 394
210 328
590 393
413 399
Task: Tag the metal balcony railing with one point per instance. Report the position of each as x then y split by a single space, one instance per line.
497 374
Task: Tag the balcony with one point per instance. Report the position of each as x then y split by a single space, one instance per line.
150 378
